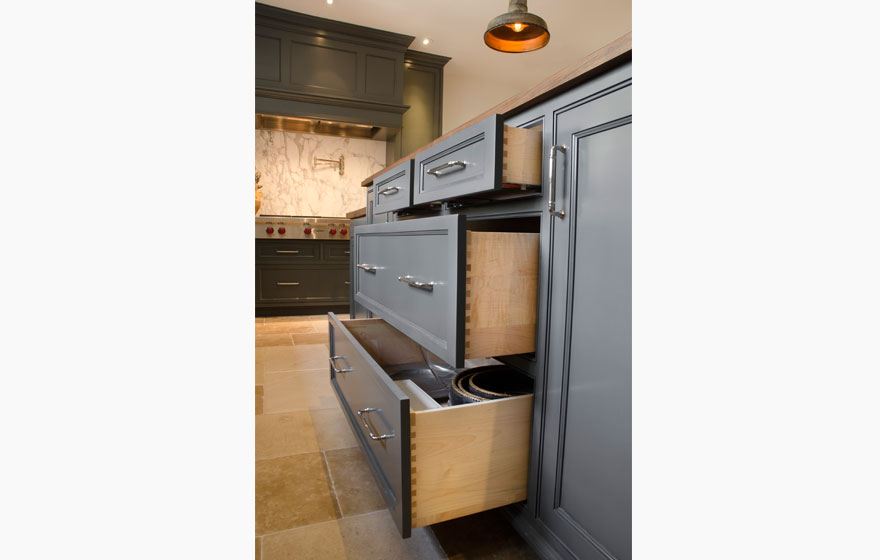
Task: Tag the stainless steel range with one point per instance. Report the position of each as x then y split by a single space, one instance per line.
302 227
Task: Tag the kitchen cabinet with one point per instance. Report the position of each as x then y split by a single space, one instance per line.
584 480
301 276
579 478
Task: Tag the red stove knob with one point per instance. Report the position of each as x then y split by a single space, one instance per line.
270 229
343 231
332 231
281 230
307 231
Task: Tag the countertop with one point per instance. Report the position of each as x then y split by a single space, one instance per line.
615 52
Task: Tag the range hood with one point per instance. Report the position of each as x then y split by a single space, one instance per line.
321 76
326 127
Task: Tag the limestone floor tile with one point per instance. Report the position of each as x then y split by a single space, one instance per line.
259 399
283 339
298 390
259 550
259 374
353 482
332 429
290 358
322 541
311 338
284 434
291 492
370 536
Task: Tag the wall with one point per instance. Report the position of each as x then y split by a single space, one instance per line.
466 95
293 186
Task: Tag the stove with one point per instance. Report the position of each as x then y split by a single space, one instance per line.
302 227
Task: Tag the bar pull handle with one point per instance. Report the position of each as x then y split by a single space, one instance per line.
459 165
428 286
348 252
366 422
390 190
287 283
552 203
333 359
347 283
280 251
368 267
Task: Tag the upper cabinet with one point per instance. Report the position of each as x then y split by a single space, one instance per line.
319 68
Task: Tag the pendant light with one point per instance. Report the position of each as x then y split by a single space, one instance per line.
517 31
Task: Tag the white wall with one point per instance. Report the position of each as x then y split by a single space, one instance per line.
293 186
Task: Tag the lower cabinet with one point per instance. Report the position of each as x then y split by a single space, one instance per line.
584 495
432 463
301 276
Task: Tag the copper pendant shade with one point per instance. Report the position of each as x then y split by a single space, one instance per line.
517 31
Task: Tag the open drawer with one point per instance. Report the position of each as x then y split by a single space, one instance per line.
460 294
431 463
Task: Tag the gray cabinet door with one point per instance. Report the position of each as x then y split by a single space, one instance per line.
585 481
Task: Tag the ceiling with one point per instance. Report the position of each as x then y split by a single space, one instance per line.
455 29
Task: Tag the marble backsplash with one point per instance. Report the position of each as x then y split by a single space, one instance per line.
293 186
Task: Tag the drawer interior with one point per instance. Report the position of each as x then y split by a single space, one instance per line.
464 459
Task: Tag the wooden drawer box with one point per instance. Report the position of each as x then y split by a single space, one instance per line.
459 294
431 463
479 159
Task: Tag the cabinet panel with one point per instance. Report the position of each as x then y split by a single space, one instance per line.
586 472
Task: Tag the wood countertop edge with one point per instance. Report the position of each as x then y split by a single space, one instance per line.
573 75
359 213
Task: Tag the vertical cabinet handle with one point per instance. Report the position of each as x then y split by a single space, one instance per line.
366 422
552 177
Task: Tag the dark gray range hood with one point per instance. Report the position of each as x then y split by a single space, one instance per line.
327 77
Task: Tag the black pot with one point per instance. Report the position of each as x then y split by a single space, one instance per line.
487 383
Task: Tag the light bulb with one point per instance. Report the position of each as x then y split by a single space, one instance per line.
516 26
425 41
329 1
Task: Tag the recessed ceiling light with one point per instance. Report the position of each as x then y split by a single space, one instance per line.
329 1
425 41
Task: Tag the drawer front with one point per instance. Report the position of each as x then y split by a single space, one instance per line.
393 190
287 251
289 284
372 402
339 251
466 163
395 258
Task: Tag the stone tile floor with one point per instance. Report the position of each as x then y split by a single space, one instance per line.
315 495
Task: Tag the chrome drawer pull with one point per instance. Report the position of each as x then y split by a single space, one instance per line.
279 251
552 180
368 267
347 283
389 190
348 252
337 370
436 171
429 286
287 283
363 415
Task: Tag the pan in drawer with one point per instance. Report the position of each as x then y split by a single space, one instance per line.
432 463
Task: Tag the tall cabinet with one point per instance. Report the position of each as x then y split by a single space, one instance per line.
584 483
